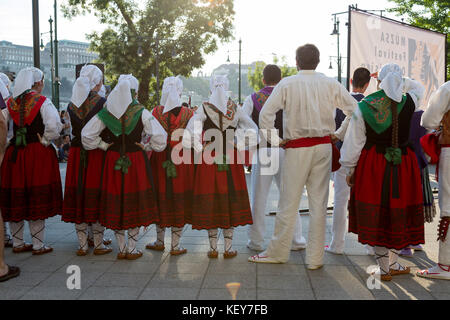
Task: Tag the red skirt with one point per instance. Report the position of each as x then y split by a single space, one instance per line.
174 195
398 222
31 186
127 200
220 198
82 198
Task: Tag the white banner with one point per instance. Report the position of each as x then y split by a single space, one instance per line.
376 41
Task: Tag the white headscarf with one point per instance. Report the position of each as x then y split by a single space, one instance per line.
219 93
25 80
134 83
171 93
391 77
4 91
119 99
5 79
90 77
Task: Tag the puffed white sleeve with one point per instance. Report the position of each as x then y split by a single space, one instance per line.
152 127
340 133
415 89
354 141
90 135
192 136
247 128
247 107
438 106
52 122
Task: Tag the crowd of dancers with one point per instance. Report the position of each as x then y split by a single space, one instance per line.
129 167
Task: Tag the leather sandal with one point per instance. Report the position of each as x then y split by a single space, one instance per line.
12 273
81 252
42 251
386 277
229 254
155 247
121 256
134 256
405 270
178 252
213 254
102 251
24 248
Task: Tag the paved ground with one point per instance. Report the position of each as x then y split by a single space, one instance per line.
194 276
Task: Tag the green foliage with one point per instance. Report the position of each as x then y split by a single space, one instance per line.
188 30
429 14
255 76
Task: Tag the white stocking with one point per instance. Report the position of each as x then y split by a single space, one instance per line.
17 233
120 236
176 235
37 229
82 235
98 230
132 239
160 234
228 239
212 234
382 257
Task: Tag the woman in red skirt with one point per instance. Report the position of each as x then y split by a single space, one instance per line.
220 191
127 197
82 187
31 183
174 180
386 203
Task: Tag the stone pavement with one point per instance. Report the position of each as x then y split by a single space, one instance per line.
195 277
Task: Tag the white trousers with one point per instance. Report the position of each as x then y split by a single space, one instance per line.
266 167
340 211
444 202
311 167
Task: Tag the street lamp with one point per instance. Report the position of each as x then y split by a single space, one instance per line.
52 68
337 33
240 67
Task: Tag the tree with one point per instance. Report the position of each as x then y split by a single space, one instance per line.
255 76
429 14
187 29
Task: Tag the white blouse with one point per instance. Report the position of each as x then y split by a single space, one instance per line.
192 136
50 118
356 138
90 135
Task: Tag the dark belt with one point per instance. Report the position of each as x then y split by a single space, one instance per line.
29 138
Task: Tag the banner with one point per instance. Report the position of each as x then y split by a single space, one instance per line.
375 41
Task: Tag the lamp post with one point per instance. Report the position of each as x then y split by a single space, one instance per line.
52 68
56 79
336 33
36 53
240 69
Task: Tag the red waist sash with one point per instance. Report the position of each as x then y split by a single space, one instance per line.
445 145
307 142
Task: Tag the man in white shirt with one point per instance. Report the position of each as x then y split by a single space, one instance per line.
309 100
438 116
266 165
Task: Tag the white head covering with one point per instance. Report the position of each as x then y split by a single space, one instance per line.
25 80
219 93
171 93
134 83
5 79
119 99
391 77
4 91
90 77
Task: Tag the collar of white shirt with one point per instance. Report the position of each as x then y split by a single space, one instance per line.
307 72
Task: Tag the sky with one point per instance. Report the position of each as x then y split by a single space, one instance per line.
266 27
